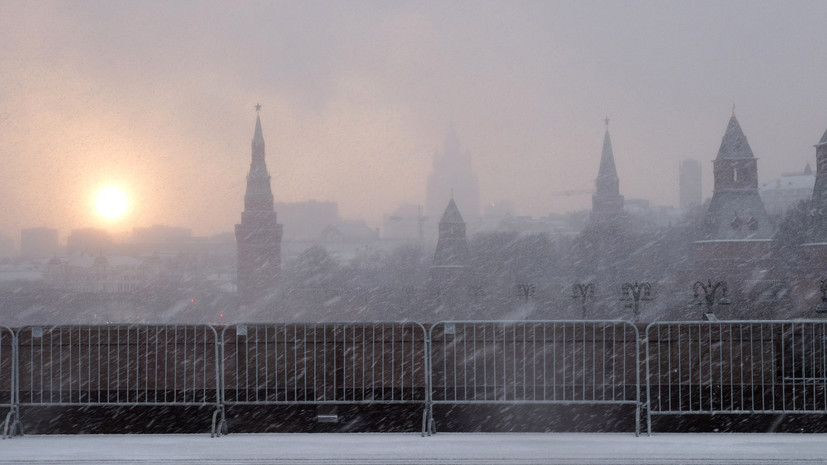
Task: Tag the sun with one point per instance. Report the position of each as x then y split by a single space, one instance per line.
111 203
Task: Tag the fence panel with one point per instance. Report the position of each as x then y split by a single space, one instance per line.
736 367
118 365
323 363
8 380
539 362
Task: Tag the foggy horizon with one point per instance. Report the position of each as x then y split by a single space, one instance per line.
158 100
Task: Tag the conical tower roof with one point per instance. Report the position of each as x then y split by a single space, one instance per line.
734 143
823 140
607 158
259 195
258 136
452 214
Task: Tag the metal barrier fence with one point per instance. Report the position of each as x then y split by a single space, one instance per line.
324 364
736 367
8 380
692 368
118 365
534 362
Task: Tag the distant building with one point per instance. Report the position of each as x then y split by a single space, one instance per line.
38 242
818 206
691 194
607 203
159 234
7 247
258 237
101 274
782 193
159 239
452 175
306 220
90 241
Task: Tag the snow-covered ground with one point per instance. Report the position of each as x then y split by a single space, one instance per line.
364 448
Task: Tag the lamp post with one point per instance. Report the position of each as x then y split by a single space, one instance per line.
822 307
710 290
635 293
582 291
526 290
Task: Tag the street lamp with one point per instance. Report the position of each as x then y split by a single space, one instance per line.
582 291
635 293
710 290
822 307
526 290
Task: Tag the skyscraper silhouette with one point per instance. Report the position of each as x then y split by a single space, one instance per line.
452 173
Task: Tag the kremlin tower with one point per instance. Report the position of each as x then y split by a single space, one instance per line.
607 203
258 237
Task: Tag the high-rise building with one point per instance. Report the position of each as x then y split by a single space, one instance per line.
90 241
607 203
258 237
689 182
452 175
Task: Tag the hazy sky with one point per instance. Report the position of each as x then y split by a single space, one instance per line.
157 97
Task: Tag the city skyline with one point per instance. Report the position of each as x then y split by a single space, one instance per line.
104 94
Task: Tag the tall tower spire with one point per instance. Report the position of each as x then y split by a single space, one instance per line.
607 203
259 196
258 237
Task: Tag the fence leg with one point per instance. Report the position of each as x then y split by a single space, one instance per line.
431 421
215 432
12 426
637 420
221 429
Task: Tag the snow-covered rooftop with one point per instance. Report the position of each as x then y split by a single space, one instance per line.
802 181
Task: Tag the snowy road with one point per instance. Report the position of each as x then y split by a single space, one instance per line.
397 449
